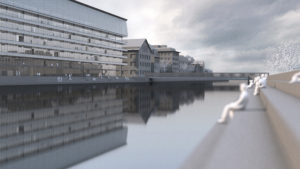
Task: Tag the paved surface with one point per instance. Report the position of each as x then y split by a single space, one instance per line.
246 142
284 112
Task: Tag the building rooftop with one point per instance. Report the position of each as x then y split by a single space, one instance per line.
164 48
134 43
74 12
100 10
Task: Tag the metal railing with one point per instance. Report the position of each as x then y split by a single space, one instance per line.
205 74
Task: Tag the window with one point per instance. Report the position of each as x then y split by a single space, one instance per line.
21 129
32 115
56 54
20 38
56 112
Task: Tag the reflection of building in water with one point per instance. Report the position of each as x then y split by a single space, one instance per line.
170 97
140 102
167 101
56 129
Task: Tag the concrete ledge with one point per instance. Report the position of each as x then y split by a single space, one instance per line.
291 89
53 80
246 142
286 76
284 113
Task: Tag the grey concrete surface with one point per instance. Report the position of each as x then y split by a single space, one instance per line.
284 113
51 80
285 86
286 76
246 142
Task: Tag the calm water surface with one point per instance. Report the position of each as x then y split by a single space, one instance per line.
105 126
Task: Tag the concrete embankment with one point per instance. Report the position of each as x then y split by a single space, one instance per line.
51 80
247 141
282 102
265 135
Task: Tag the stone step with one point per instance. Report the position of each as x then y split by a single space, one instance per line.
286 76
285 86
247 141
284 113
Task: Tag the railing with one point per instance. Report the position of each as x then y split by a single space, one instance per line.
204 74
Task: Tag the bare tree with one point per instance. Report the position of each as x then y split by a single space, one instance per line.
285 57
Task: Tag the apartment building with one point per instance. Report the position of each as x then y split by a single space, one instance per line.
169 58
137 57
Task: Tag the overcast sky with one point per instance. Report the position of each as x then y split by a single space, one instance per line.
229 35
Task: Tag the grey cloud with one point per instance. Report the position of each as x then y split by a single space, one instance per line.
233 24
247 28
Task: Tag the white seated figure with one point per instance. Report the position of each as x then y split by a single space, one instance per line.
295 78
237 105
261 83
256 79
251 83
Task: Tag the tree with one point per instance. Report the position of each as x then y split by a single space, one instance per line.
285 57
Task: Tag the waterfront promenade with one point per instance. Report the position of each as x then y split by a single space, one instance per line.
265 135
151 78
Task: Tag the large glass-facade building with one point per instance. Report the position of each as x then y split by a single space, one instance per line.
59 38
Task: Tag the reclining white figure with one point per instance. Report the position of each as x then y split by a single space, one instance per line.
261 83
237 105
295 78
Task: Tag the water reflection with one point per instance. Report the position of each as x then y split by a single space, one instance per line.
142 102
51 128
56 127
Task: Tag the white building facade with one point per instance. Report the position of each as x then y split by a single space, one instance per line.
59 37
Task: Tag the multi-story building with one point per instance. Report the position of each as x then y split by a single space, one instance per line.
183 63
169 58
196 66
186 64
155 66
59 37
137 57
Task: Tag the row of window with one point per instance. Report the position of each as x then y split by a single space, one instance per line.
14 66
57 34
46 52
145 57
57 44
56 23
145 64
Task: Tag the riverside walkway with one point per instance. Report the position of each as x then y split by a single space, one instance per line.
202 76
264 135
150 78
